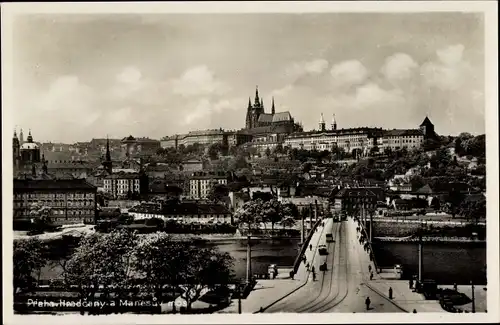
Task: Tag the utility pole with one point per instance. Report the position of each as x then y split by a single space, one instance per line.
371 226
239 298
302 230
473 298
420 257
249 260
315 210
310 216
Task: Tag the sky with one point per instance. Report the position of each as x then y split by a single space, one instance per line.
84 76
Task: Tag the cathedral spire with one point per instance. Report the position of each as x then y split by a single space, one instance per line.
334 123
257 101
108 164
21 137
249 104
322 123
108 153
30 137
273 111
15 134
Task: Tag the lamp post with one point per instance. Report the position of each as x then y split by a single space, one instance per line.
473 298
239 298
249 260
420 256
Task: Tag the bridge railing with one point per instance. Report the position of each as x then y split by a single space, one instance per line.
369 244
298 259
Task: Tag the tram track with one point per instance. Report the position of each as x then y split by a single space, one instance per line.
318 300
282 304
326 304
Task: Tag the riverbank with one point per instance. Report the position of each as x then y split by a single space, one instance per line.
383 228
414 239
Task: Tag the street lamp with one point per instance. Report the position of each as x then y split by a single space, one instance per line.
473 298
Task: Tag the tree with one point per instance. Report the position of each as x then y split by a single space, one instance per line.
207 268
28 259
218 192
279 149
158 260
455 198
103 259
473 209
288 222
250 214
436 203
291 210
272 211
238 163
374 150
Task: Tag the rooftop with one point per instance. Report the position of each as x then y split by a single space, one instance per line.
52 184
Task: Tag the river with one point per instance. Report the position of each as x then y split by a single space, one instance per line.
447 263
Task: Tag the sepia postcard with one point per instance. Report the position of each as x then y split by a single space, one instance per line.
250 162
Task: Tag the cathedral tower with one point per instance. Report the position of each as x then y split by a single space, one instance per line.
334 123
322 124
273 110
248 120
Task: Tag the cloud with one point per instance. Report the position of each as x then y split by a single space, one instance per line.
205 109
304 68
349 73
451 55
449 72
398 67
129 75
71 100
199 81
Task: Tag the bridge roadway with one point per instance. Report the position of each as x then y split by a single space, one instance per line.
341 287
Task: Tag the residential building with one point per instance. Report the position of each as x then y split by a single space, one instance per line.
398 139
200 183
184 212
71 201
354 200
136 146
203 137
192 165
169 142
126 185
361 139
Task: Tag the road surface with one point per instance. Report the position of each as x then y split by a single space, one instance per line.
341 288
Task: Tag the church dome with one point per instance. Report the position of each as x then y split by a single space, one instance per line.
29 146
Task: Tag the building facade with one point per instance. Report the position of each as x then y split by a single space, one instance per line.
355 200
133 146
126 185
362 139
70 201
398 139
200 184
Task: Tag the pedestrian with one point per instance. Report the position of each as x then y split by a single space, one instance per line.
414 311
292 274
455 287
313 269
411 283
371 275
307 266
310 247
369 268
390 292
367 303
